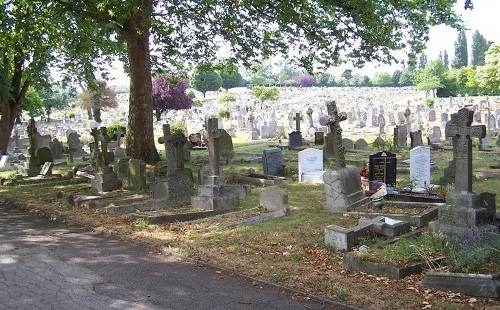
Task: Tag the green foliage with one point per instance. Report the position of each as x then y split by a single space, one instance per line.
382 79
230 77
197 102
205 78
473 252
264 93
33 103
191 94
488 76
71 115
226 98
224 113
175 126
461 51
111 130
429 102
479 47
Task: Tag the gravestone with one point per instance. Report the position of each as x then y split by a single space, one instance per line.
342 186
311 166
32 167
294 140
378 143
3 161
177 185
400 136
435 135
382 167
381 123
106 179
416 139
274 199
47 168
74 144
420 168
215 195
319 138
348 144
136 175
432 115
465 213
273 162
44 154
360 144
226 146
57 149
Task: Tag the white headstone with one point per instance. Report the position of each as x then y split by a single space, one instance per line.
420 167
3 161
311 165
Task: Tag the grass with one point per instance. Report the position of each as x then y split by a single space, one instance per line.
289 251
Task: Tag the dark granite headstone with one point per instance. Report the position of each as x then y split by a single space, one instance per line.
319 138
294 139
273 161
360 144
44 154
416 139
382 167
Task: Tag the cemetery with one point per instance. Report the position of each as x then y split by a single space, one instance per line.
309 192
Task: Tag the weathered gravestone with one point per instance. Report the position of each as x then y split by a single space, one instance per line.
416 139
136 175
274 199
360 144
177 185
400 136
319 138
382 167
273 162
466 213
106 179
420 168
57 149
44 154
216 195
311 166
342 186
226 146
348 144
32 167
47 168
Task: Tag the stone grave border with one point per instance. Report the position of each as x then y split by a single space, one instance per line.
482 285
418 220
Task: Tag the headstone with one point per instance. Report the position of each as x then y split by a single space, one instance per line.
400 136
136 175
360 144
32 167
3 161
319 138
420 169
332 120
297 120
435 134
432 115
348 144
47 168
416 139
74 143
273 162
294 140
56 148
226 146
274 199
382 167
311 166
44 154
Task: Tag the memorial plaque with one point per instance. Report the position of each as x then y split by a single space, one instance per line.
273 161
382 167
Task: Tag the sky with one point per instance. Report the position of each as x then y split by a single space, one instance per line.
484 18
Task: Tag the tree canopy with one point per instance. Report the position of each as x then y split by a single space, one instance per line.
461 51
488 76
205 78
169 93
85 32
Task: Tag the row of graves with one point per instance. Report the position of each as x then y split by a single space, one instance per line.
122 185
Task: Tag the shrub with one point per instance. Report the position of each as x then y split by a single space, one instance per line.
111 130
224 113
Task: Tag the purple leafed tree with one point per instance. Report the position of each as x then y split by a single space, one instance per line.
169 93
305 80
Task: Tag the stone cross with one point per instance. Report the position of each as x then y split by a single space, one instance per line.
462 132
119 133
297 120
103 137
333 121
251 118
173 149
309 117
32 131
407 115
213 146
16 138
94 132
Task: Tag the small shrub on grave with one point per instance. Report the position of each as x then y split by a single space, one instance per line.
224 113
111 130
474 253
178 126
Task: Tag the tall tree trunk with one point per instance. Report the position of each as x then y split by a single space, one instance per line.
9 110
140 138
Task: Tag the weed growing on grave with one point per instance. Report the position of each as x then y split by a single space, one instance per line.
296 256
341 294
406 251
279 276
141 222
475 252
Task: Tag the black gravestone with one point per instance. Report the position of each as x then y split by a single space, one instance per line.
294 140
382 167
273 161
319 138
